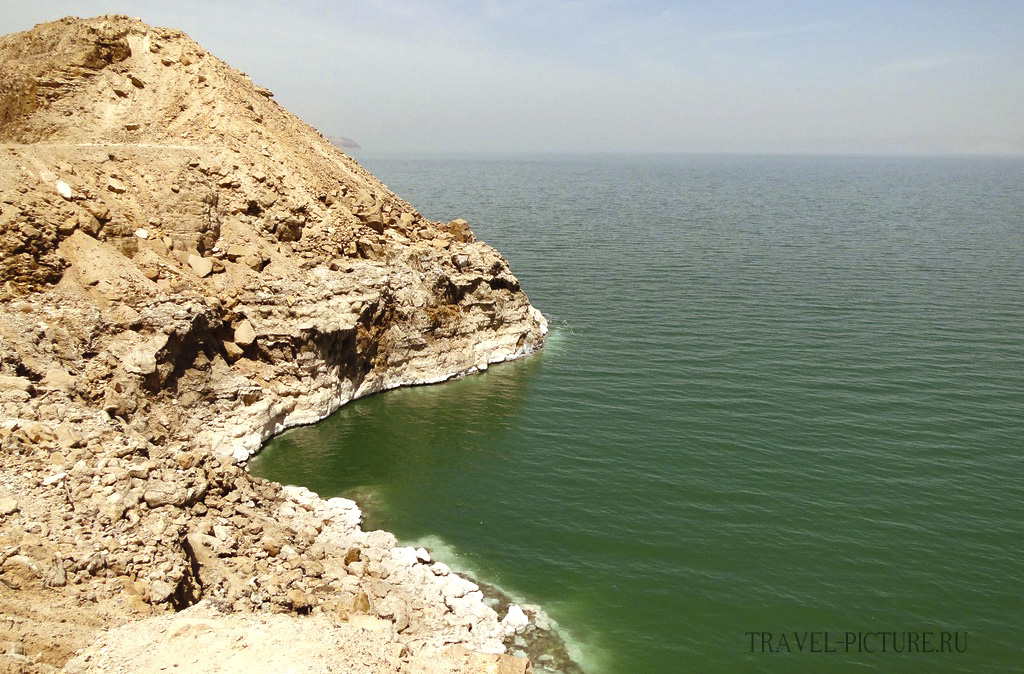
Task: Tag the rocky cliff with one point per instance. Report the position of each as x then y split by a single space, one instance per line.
186 270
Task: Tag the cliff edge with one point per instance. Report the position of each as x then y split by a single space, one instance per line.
185 270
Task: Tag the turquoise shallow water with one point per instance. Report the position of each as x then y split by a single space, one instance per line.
780 395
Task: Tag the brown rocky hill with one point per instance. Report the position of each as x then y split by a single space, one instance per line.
185 270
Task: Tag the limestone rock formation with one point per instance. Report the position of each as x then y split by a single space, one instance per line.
185 270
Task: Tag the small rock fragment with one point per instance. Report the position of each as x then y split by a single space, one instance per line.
8 505
233 351
57 379
15 384
244 333
460 230
299 600
202 266
160 591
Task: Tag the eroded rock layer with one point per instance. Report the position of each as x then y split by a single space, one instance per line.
185 270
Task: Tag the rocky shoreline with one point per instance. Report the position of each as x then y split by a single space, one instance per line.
187 270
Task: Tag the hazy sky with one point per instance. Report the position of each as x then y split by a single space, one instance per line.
637 75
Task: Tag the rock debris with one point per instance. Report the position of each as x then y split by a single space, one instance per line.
187 269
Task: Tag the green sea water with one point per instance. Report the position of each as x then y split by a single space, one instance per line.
780 395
